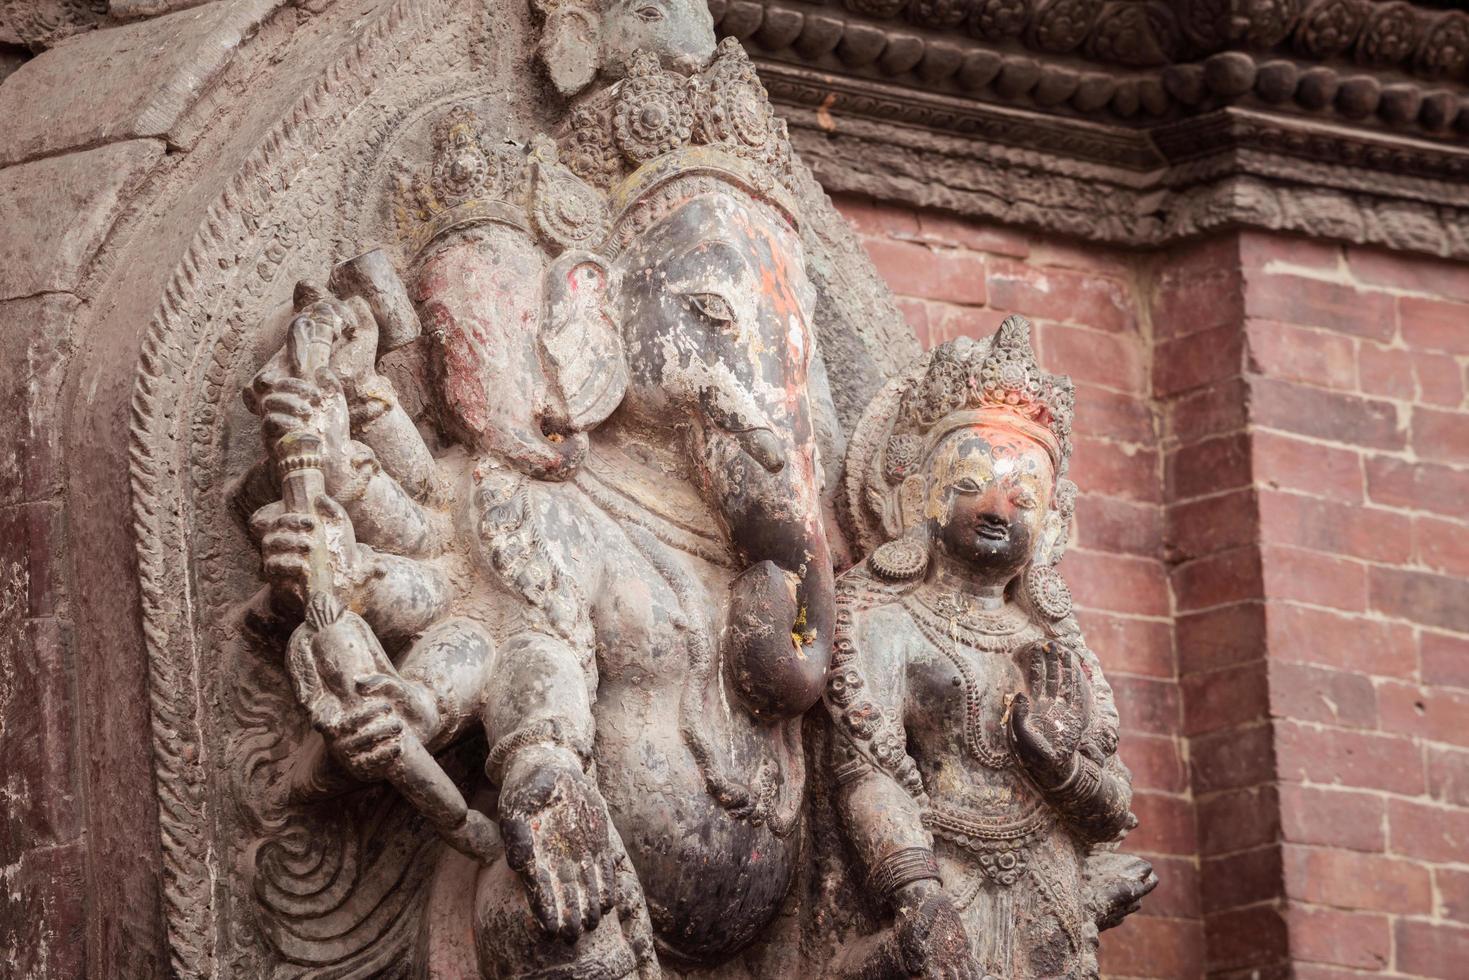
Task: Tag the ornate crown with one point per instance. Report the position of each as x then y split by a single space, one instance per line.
966 382
654 111
475 178
639 134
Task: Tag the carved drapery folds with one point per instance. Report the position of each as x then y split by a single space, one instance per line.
1339 118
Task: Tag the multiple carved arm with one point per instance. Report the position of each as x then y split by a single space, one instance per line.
382 538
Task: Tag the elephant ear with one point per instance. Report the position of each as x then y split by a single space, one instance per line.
585 362
571 42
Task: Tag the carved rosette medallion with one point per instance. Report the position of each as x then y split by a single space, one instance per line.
1329 27
1062 25
1445 50
999 19
654 111
1048 592
1392 34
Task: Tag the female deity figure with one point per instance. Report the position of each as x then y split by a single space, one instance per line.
974 744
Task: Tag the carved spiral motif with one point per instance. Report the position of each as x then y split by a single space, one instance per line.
999 19
1330 27
1445 51
1061 25
654 114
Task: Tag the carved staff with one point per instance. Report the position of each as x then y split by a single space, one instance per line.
334 657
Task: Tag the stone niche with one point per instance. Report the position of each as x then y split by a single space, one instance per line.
205 199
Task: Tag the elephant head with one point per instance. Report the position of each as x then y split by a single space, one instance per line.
583 38
691 320
715 309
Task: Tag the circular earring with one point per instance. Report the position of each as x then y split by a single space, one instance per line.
1048 592
902 560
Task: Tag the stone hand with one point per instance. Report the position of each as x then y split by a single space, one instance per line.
932 941
290 542
1047 731
554 824
367 737
289 405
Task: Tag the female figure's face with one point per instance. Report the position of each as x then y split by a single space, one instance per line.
989 489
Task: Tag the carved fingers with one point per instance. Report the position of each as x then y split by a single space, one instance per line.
291 542
287 404
368 738
555 829
1047 724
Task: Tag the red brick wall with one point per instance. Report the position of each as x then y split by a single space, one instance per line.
1273 557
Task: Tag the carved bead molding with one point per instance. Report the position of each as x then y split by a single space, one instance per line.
1134 121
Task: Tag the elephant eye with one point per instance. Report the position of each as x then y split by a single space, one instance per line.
713 306
649 13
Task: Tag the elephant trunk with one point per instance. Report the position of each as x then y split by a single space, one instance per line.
778 635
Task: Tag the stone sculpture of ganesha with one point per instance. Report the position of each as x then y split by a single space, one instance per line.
615 565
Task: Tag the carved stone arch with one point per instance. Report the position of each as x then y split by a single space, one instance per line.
292 206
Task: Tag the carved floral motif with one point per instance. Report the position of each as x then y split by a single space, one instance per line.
1329 27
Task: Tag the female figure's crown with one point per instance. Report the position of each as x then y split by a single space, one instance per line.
1002 379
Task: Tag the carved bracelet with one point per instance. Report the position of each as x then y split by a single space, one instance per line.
901 868
546 731
1079 787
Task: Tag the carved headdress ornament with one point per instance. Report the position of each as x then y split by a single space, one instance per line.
475 178
966 383
618 148
961 383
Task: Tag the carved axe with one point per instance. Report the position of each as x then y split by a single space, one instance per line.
372 278
333 656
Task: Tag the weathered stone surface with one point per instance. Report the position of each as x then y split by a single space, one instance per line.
124 82
42 23
58 211
132 9
34 333
37 729
43 899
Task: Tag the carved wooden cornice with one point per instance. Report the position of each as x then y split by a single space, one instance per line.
1134 121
